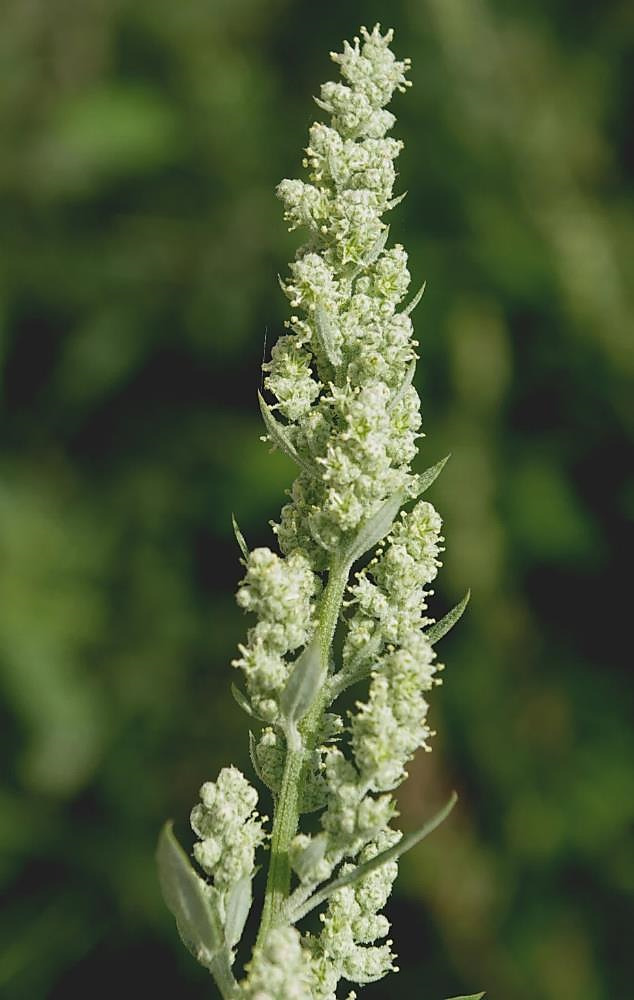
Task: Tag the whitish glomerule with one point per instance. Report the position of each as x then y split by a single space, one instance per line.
228 829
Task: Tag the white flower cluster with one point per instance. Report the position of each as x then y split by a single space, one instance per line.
345 948
228 827
280 969
390 594
281 593
353 416
290 967
340 376
346 411
385 637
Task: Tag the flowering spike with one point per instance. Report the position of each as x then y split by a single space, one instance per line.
345 409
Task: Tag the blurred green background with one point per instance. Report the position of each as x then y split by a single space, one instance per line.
142 141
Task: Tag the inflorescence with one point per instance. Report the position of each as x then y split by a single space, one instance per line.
345 409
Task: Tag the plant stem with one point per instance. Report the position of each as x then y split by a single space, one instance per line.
223 976
286 817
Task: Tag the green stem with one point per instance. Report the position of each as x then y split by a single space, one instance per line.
220 968
286 817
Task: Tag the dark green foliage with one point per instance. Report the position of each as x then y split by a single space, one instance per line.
141 146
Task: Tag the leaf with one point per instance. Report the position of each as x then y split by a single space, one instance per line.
313 789
305 680
396 201
239 537
359 667
412 305
323 105
377 248
311 855
279 436
188 898
472 996
237 907
254 761
407 381
427 477
441 628
405 844
242 700
374 528
326 336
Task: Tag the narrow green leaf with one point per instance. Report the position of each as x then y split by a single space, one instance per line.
407 381
472 996
412 305
441 628
237 907
239 537
188 898
242 700
305 680
323 105
279 436
396 201
357 669
377 248
325 331
375 528
427 477
405 844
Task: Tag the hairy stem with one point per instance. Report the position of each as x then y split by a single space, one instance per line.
286 817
